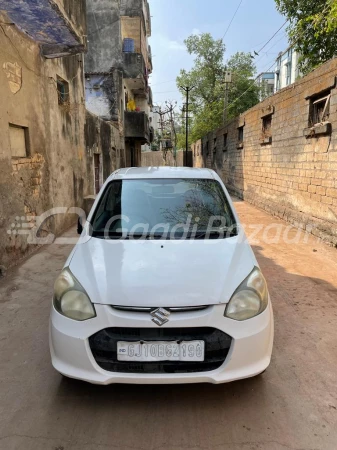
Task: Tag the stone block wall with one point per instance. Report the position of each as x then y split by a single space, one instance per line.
156 159
273 156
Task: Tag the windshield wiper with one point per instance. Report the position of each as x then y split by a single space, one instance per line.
125 236
214 234
224 233
145 236
106 234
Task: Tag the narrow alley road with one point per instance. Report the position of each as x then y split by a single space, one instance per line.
292 406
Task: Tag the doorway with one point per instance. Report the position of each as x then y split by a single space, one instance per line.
97 172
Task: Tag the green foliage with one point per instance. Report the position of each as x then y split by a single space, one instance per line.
243 71
181 139
156 142
312 29
207 78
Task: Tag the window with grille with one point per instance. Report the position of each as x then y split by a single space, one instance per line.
62 91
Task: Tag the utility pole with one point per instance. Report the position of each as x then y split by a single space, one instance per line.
170 110
228 80
163 128
161 114
187 89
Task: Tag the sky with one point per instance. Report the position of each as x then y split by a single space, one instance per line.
174 20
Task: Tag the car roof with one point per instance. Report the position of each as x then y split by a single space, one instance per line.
161 172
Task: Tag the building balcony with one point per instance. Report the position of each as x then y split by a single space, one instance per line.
137 127
34 17
134 68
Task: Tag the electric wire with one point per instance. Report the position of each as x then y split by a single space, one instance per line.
267 70
230 23
265 45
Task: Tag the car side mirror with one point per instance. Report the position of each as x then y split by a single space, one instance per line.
79 225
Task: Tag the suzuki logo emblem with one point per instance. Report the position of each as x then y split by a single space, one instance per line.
160 316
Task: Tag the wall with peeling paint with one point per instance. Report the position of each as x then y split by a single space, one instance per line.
103 93
59 26
53 173
104 36
106 140
103 62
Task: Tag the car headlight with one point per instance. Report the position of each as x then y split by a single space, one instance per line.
250 299
70 299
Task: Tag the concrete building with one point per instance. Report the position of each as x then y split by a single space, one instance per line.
53 154
286 70
266 81
117 68
154 119
42 153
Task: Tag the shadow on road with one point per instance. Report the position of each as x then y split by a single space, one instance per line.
159 393
292 405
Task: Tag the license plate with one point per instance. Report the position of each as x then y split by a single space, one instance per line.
161 351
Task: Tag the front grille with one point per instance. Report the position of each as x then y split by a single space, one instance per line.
104 349
149 309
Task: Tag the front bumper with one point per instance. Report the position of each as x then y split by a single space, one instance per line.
249 354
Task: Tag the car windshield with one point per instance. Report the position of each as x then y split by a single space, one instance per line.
163 208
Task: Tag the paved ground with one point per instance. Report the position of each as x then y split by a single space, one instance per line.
292 406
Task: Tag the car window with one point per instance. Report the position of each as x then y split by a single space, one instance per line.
161 206
108 201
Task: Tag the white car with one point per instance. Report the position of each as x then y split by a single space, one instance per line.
162 286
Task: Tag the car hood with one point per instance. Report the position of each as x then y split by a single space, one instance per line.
162 273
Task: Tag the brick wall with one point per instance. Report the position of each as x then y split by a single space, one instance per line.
289 170
156 159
